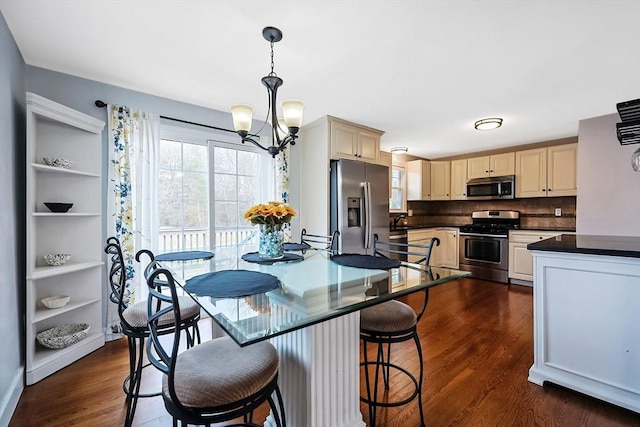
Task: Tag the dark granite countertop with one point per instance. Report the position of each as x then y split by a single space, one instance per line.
420 227
623 246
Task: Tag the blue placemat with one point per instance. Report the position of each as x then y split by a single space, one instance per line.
295 246
231 283
255 257
184 256
365 261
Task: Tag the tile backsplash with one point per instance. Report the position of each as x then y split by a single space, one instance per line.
534 212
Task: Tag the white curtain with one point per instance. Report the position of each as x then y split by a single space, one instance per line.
134 140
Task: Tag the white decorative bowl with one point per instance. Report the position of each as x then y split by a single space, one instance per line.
56 301
57 162
63 336
56 259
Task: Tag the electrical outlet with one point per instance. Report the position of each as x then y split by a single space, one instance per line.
410 212
558 212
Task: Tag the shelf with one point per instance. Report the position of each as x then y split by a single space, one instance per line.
63 214
44 272
52 169
45 355
43 313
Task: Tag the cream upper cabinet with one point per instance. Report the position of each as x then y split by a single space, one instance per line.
562 167
547 172
495 165
440 180
459 179
418 180
353 142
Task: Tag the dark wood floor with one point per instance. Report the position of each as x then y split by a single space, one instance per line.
477 339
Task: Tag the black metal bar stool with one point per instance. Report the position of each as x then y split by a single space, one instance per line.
389 323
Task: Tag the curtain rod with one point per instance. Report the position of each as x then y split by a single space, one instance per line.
102 104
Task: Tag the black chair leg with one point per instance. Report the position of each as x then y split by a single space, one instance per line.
420 379
136 352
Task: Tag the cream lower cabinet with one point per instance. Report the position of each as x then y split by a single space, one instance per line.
547 171
520 259
444 255
54 130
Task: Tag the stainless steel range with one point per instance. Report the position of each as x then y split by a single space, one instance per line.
484 244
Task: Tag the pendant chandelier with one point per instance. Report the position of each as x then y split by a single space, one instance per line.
283 130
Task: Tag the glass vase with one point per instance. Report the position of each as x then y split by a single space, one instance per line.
271 239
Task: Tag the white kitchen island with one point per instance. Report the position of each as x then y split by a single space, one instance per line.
587 316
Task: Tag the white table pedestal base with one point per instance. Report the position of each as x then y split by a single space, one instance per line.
320 374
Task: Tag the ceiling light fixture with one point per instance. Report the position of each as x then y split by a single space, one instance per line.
399 150
281 133
488 124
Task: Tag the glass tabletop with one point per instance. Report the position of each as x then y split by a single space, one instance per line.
310 291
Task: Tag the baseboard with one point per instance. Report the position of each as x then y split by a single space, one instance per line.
10 400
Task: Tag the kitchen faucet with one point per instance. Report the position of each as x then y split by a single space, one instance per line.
398 218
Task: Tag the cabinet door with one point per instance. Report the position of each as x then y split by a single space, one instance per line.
478 167
448 249
418 177
440 180
520 262
503 164
531 173
368 146
561 170
459 179
344 141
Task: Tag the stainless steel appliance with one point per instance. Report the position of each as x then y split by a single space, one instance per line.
359 204
496 187
484 244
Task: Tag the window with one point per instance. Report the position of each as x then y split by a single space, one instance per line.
398 199
206 184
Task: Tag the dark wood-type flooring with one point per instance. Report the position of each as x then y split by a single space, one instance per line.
477 339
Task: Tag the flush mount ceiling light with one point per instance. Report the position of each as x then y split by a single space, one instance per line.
488 124
399 150
283 131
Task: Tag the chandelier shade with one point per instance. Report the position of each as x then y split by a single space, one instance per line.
281 134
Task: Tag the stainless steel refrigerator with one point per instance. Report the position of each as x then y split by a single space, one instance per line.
359 204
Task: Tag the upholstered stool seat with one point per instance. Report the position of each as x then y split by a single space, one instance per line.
136 315
236 374
391 316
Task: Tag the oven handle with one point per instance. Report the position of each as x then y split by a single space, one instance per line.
500 236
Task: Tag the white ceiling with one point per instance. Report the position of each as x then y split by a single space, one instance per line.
423 71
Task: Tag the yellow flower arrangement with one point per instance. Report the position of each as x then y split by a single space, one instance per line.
271 213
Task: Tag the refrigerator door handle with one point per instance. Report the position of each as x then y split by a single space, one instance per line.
368 214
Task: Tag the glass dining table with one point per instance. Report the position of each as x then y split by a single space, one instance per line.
312 317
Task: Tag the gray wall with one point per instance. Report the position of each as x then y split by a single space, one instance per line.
12 222
608 188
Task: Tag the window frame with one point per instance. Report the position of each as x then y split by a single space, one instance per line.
398 165
212 139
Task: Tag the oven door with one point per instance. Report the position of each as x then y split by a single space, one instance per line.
486 251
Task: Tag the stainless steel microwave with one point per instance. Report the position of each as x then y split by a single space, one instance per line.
495 187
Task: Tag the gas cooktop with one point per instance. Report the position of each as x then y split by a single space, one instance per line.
492 222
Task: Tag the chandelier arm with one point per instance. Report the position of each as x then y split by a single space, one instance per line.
253 141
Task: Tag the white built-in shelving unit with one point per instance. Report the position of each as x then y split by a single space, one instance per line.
54 130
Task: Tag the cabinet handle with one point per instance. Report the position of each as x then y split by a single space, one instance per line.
491 170
486 171
544 189
549 190
447 194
